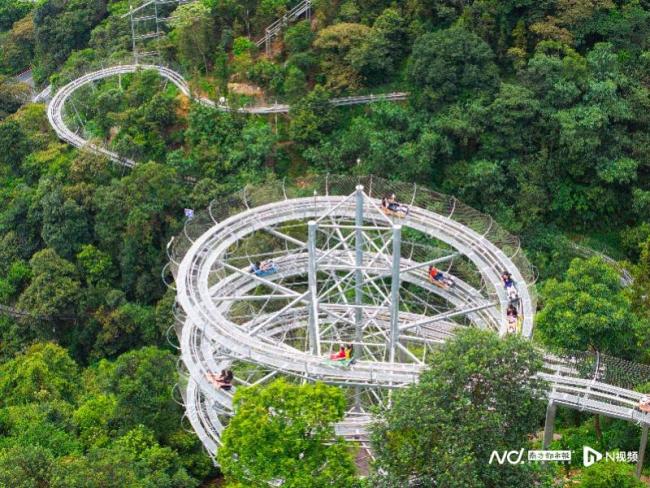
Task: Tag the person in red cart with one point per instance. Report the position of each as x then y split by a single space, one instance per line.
339 355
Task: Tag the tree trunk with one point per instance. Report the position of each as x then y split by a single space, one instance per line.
598 430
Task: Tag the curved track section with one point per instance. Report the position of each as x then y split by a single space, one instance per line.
198 302
213 280
57 103
214 283
56 106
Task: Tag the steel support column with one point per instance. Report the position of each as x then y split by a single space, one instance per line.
394 291
358 274
358 286
135 51
314 333
267 42
642 446
549 424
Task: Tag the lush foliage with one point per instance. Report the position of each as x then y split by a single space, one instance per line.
279 432
604 475
535 112
442 430
111 425
590 310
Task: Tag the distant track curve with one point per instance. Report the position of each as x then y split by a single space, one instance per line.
57 104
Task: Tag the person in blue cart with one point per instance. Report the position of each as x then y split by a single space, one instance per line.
264 268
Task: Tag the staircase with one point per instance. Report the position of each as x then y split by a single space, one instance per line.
272 30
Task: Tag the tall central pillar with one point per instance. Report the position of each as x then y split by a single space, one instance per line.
358 286
394 291
314 333
358 275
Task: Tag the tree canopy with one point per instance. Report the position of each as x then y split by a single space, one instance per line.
443 429
286 432
590 310
536 113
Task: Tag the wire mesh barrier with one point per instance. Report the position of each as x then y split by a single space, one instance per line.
601 368
586 252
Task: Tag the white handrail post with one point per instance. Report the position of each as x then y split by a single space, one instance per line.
549 424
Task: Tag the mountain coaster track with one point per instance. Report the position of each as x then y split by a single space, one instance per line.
211 341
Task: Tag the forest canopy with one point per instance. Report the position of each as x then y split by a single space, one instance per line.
534 112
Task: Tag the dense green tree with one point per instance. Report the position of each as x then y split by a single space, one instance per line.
135 219
225 145
25 467
65 223
589 310
606 475
136 459
62 27
44 372
14 280
111 38
95 419
442 430
293 440
194 34
335 45
268 75
12 96
380 54
299 37
97 265
18 46
11 11
54 291
14 144
295 83
640 291
140 381
41 423
381 141
311 117
449 64
123 329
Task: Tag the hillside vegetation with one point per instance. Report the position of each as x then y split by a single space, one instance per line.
536 112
